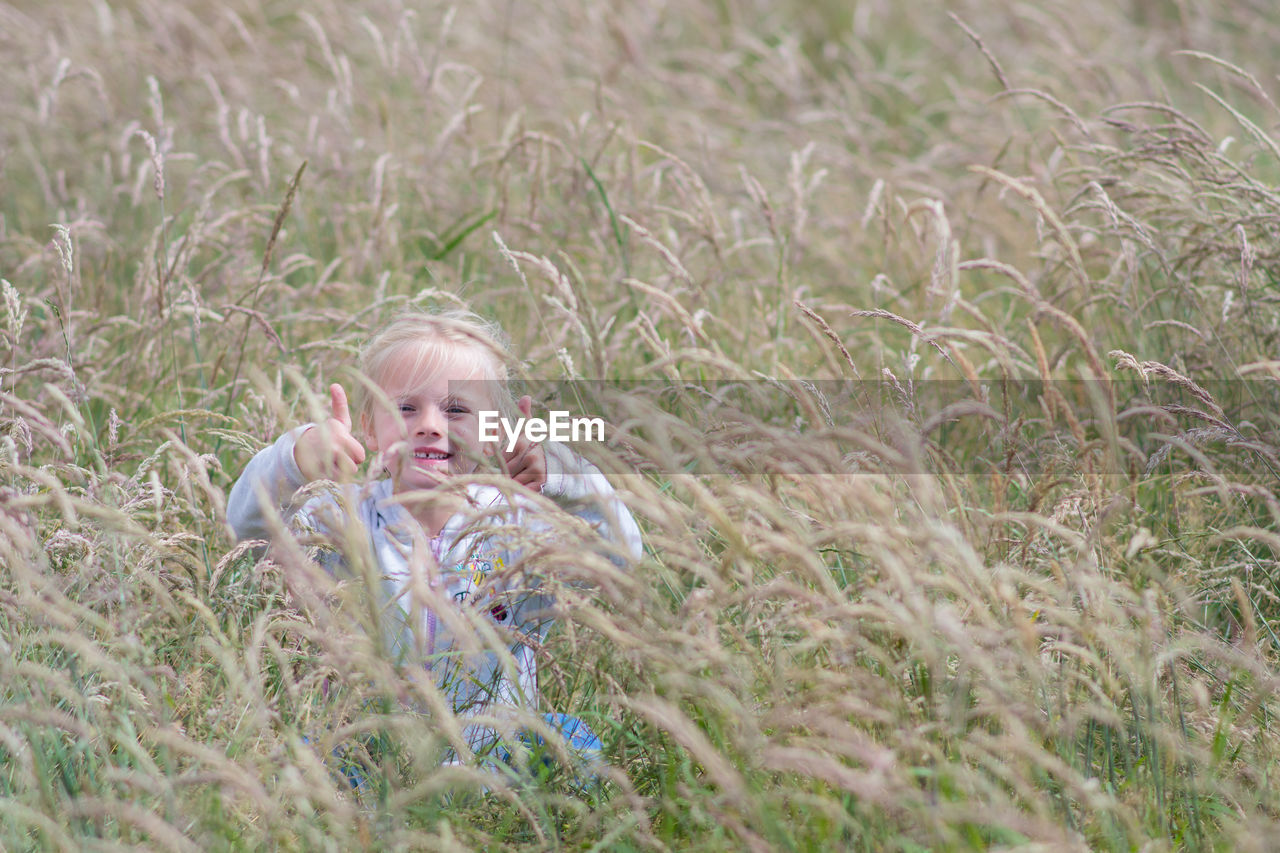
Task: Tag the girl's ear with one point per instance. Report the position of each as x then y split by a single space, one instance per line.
370 441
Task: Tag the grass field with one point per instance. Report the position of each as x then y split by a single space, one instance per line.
1042 616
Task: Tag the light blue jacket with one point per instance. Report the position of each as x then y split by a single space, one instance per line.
439 597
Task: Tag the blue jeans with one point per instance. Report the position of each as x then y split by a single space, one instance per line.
585 748
586 753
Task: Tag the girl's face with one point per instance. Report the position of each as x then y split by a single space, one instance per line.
434 432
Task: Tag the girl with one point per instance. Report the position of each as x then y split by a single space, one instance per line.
444 553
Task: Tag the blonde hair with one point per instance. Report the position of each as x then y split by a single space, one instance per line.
430 340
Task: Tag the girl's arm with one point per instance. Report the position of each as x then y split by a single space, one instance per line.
588 494
572 481
267 484
299 456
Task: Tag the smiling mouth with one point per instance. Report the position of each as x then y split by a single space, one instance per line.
432 455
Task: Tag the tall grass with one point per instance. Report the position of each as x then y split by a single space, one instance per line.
1043 619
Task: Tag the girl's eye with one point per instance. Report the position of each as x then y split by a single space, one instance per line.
406 408
457 409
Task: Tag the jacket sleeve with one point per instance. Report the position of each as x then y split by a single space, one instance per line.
267 485
583 490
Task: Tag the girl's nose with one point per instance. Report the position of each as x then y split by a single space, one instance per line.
429 423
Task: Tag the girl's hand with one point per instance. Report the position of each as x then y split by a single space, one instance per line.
329 450
526 463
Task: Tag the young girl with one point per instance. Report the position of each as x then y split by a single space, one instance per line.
444 554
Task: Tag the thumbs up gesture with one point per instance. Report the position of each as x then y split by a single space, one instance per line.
527 462
328 449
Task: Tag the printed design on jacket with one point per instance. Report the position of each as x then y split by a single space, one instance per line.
471 576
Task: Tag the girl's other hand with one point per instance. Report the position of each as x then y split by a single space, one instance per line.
329 450
526 463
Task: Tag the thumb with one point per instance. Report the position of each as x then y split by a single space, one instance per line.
341 412
525 405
